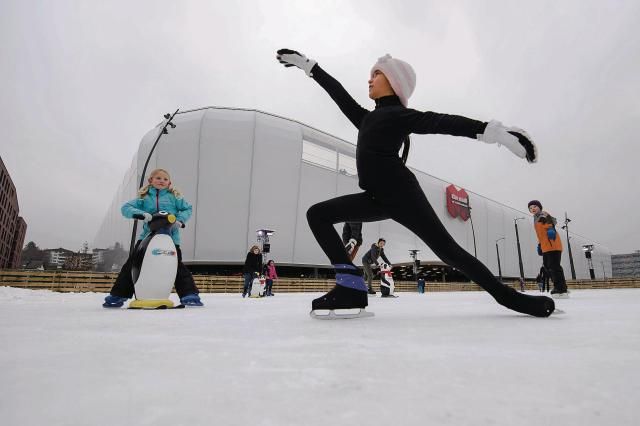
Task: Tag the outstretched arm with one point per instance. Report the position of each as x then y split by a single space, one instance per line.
515 139
349 107
444 124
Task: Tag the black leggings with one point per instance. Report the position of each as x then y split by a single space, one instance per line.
410 208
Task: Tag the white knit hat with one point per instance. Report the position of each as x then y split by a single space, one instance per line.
400 75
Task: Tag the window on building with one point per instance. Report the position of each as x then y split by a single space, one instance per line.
347 165
318 155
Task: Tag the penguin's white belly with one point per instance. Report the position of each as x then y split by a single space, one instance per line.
158 271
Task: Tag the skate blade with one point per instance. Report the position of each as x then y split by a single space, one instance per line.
157 308
558 312
560 296
333 315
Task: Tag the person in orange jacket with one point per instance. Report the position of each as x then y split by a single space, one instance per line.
549 247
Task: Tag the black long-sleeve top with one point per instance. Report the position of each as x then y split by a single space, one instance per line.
382 131
253 263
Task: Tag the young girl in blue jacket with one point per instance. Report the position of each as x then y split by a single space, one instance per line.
158 195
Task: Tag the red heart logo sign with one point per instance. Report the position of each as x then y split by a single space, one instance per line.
458 202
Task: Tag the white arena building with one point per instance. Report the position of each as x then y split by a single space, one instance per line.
244 170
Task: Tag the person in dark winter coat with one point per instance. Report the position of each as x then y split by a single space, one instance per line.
252 268
396 193
370 261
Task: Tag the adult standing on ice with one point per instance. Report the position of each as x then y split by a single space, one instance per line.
370 260
252 268
396 194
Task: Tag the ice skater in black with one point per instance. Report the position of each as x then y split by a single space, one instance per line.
396 194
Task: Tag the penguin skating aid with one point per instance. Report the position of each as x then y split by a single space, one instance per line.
387 285
155 264
257 286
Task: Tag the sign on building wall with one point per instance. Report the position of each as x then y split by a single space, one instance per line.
458 202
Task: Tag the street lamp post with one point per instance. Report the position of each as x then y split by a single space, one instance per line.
588 249
163 131
416 261
416 265
263 239
498 254
566 228
515 222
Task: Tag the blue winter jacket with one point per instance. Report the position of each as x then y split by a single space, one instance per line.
154 202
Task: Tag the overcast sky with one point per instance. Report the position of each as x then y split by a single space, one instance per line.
82 81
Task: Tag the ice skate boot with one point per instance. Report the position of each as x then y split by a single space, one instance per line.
348 299
114 301
352 248
350 245
537 306
560 294
191 300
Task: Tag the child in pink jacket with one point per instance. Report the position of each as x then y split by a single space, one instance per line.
271 275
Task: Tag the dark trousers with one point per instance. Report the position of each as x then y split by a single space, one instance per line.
248 281
551 261
409 207
269 286
368 274
184 283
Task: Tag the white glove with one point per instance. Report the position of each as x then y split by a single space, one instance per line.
147 217
515 139
292 58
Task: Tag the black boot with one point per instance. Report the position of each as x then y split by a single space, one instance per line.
341 298
537 306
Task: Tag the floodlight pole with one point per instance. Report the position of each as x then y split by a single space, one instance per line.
515 222
566 228
498 254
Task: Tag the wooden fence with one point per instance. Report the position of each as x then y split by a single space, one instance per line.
100 282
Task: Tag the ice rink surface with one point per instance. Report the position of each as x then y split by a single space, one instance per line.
432 359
